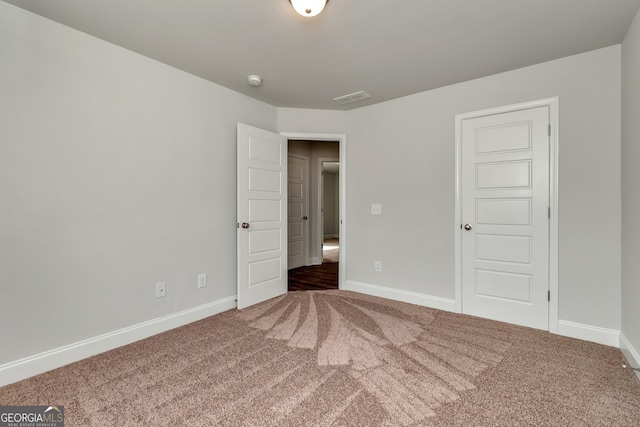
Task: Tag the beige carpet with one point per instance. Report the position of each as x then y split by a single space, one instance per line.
324 358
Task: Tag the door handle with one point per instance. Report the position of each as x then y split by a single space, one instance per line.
305 217
467 227
245 225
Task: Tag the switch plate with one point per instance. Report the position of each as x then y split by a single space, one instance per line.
377 266
202 280
376 209
161 290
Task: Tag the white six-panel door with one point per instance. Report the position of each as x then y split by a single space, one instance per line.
504 211
261 207
297 210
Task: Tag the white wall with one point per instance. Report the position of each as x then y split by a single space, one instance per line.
312 121
116 172
631 188
400 153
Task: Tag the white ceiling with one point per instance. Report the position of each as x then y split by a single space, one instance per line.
386 48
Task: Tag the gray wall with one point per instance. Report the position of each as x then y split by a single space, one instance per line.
331 221
400 153
116 172
631 186
302 148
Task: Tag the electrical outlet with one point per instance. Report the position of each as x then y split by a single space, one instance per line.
202 280
376 209
377 266
161 290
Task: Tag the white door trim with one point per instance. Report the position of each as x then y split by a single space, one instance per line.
553 104
342 139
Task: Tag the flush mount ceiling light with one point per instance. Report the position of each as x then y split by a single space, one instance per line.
308 8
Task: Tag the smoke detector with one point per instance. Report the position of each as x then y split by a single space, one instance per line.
254 80
352 97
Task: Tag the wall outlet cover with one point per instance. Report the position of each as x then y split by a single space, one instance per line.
161 290
202 280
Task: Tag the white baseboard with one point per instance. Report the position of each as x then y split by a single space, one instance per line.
400 295
48 360
631 353
331 236
610 337
316 260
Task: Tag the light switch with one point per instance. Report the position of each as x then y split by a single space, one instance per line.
376 209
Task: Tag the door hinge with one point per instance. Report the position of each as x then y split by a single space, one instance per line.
549 212
549 296
549 130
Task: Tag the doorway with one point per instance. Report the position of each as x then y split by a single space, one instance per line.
261 197
322 269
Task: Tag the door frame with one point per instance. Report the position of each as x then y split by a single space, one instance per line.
554 120
342 139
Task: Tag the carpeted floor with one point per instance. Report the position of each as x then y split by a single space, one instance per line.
322 358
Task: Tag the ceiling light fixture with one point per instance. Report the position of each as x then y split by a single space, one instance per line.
308 8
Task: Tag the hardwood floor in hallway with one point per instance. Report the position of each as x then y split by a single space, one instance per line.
323 276
313 277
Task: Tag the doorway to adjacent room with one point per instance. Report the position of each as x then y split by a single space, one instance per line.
314 214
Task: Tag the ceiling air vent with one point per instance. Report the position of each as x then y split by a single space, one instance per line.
352 97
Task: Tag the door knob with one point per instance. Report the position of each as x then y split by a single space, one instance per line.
467 227
305 217
245 225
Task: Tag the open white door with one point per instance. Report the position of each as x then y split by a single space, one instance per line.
262 215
